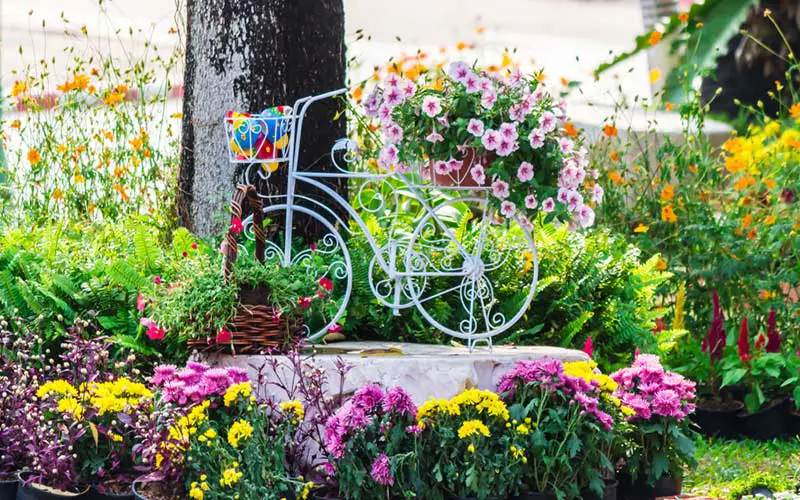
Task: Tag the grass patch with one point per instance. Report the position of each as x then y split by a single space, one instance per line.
725 466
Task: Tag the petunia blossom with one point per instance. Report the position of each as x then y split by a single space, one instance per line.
431 106
525 172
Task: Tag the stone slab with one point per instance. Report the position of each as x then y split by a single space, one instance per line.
425 371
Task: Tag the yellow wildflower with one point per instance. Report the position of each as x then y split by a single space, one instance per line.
668 214
661 264
240 430
18 88
655 75
295 407
71 405
667 193
243 389
230 476
61 387
34 157
641 228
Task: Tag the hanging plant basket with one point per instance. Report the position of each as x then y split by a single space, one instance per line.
257 326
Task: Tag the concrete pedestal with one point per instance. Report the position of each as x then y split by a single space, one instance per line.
424 371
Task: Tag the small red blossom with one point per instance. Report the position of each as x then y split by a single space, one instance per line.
335 328
636 353
773 337
326 284
157 280
588 347
761 341
223 337
185 254
140 303
305 302
313 247
236 225
714 343
194 246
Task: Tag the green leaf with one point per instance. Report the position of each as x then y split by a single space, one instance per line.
732 377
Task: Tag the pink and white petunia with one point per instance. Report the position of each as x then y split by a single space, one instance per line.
525 172
515 78
393 96
402 168
547 122
490 140
385 113
530 202
431 106
566 145
392 132
597 194
407 87
391 80
509 131
536 138
388 157
515 113
525 223
434 137
574 201
500 189
475 127
488 98
585 216
563 195
506 146
458 71
508 209
472 83
548 205
441 168
478 174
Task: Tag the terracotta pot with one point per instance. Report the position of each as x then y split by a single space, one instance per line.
34 492
718 418
462 177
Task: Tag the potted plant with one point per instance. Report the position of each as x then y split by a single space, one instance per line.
558 413
371 442
21 369
717 410
245 304
467 127
662 442
466 447
761 370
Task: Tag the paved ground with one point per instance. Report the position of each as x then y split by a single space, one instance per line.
550 32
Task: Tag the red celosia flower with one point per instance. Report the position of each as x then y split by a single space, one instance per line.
744 342
223 337
326 284
588 347
236 225
761 341
773 337
714 343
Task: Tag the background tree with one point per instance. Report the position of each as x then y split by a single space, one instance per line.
249 55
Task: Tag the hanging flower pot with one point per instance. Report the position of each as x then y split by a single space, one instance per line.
459 173
718 418
32 491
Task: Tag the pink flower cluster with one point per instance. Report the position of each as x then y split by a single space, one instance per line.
367 405
548 374
650 390
195 382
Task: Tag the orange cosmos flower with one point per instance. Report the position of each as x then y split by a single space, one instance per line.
570 130
18 88
683 17
615 177
735 164
461 45
668 214
770 220
57 194
34 157
610 130
669 106
667 193
614 156
744 182
655 37
794 111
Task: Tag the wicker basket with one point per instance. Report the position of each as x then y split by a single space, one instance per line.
255 328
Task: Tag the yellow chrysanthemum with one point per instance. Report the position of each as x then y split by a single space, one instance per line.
61 387
240 430
230 476
295 407
243 389
71 405
471 428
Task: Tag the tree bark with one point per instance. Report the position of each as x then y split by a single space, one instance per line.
248 55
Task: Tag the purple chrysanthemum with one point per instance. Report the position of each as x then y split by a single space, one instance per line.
381 471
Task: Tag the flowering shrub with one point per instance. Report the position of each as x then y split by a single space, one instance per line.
476 128
466 447
238 451
371 442
661 401
563 411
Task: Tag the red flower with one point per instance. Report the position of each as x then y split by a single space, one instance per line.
326 284
773 337
743 343
155 333
313 247
194 246
157 280
185 254
223 337
761 341
305 302
714 343
636 353
334 328
236 225
588 347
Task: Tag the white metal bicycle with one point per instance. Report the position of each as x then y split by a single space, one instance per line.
416 267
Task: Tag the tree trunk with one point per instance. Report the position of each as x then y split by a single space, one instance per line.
248 55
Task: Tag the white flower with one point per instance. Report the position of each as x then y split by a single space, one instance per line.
536 138
565 145
431 106
434 137
547 122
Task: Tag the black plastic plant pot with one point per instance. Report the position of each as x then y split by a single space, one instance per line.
537 495
718 418
324 493
8 489
771 422
609 492
34 492
666 486
96 495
